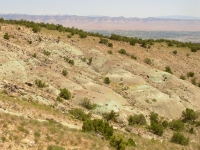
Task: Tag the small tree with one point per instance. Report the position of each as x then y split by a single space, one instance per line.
110 44
54 147
64 93
71 61
137 119
90 61
106 80
111 116
189 115
122 51
40 84
148 61
110 52
118 142
64 72
190 74
87 104
177 125
6 36
168 69
182 77
179 138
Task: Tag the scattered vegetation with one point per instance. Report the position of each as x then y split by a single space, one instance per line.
54 147
37 26
98 125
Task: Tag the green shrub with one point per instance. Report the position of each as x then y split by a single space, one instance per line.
182 77
154 117
82 35
168 69
37 134
47 53
6 36
106 80
193 81
40 84
110 116
156 128
64 72
54 147
194 49
98 125
90 61
191 131
179 138
189 115
133 57
80 114
36 28
110 44
34 55
175 52
165 123
177 125
137 119
71 61
190 74
64 93
83 59
110 52
69 36
103 41
59 99
131 142
87 104
122 51
148 61
118 142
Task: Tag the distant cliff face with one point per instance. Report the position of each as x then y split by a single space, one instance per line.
112 23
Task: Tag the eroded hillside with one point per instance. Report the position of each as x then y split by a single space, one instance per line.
136 85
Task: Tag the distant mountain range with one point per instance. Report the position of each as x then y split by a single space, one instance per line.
167 23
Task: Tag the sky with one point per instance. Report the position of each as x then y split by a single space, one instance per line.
113 8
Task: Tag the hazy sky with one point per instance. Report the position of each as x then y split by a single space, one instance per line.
126 8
